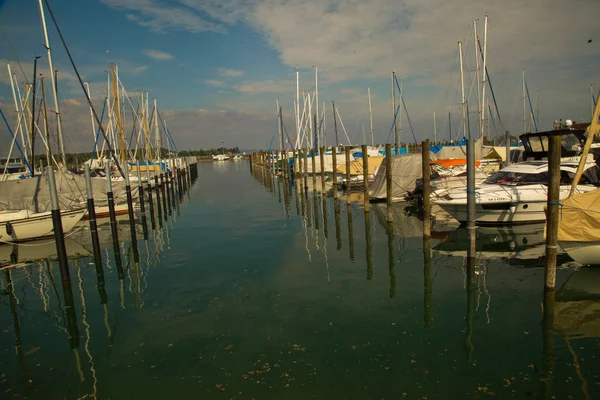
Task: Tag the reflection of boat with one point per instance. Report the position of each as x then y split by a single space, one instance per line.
42 250
577 305
519 242
579 227
20 225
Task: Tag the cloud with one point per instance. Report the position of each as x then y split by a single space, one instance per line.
158 55
214 82
230 73
266 86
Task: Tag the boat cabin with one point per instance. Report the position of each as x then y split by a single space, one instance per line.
537 144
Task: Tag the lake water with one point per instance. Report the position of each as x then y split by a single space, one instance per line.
250 290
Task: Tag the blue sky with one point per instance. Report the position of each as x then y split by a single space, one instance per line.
216 67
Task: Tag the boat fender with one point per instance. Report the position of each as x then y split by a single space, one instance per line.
9 229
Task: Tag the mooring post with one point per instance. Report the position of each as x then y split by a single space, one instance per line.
552 212
173 181
365 159
111 210
388 181
334 161
168 185
140 185
163 190
59 236
150 201
130 212
471 207
322 165
348 177
92 217
426 189
314 169
507 144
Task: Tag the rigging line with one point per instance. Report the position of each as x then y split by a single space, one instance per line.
406 111
133 128
16 142
531 107
489 81
110 149
167 133
98 130
393 123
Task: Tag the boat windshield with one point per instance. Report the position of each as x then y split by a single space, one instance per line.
517 178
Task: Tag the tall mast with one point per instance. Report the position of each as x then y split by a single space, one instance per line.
54 92
462 89
20 114
484 74
156 132
118 111
337 140
477 75
324 130
46 128
32 133
394 110
279 130
524 105
371 117
297 106
400 116
434 129
317 133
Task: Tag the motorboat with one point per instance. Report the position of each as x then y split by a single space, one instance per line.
22 225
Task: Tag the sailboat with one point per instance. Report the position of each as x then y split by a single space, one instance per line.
22 225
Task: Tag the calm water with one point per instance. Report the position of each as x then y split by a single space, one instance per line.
252 291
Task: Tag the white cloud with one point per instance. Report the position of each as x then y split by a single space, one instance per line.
158 55
266 86
214 82
230 73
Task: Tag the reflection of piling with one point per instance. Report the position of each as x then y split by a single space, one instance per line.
426 189
325 230
140 186
163 190
150 202
158 202
471 210
549 350
172 187
306 171
391 266
336 209
553 210
470 286
334 161
112 215
322 164
365 159
72 327
350 231
167 185
92 217
59 236
369 250
316 208
427 283
388 180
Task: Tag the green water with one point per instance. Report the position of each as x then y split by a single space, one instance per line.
250 291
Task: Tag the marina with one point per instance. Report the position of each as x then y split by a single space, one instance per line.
319 299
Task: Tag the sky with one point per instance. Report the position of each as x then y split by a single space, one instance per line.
218 67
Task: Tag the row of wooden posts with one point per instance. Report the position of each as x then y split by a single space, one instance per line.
270 160
168 184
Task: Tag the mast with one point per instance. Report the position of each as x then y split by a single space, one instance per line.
337 140
477 75
281 130
485 29
324 130
89 93
394 110
524 105
18 111
297 106
462 89
54 91
118 111
317 133
400 115
434 129
371 117
156 133
46 128
32 133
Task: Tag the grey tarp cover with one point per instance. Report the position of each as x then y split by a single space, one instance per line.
340 159
406 169
459 151
33 194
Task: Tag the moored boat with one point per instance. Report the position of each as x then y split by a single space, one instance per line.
579 227
22 225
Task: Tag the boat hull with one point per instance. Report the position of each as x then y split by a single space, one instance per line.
586 253
103 212
498 213
37 225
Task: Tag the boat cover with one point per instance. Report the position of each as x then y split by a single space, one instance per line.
406 169
580 218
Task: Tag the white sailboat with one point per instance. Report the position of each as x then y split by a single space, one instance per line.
22 225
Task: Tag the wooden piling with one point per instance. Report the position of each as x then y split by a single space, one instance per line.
552 212
314 169
322 162
131 214
365 159
350 231
334 161
140 185
111 211
163 190
59 237
426 189
92 217
507 147
348 177
388 181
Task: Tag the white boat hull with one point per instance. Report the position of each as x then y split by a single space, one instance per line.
36 225
586 253
517 213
